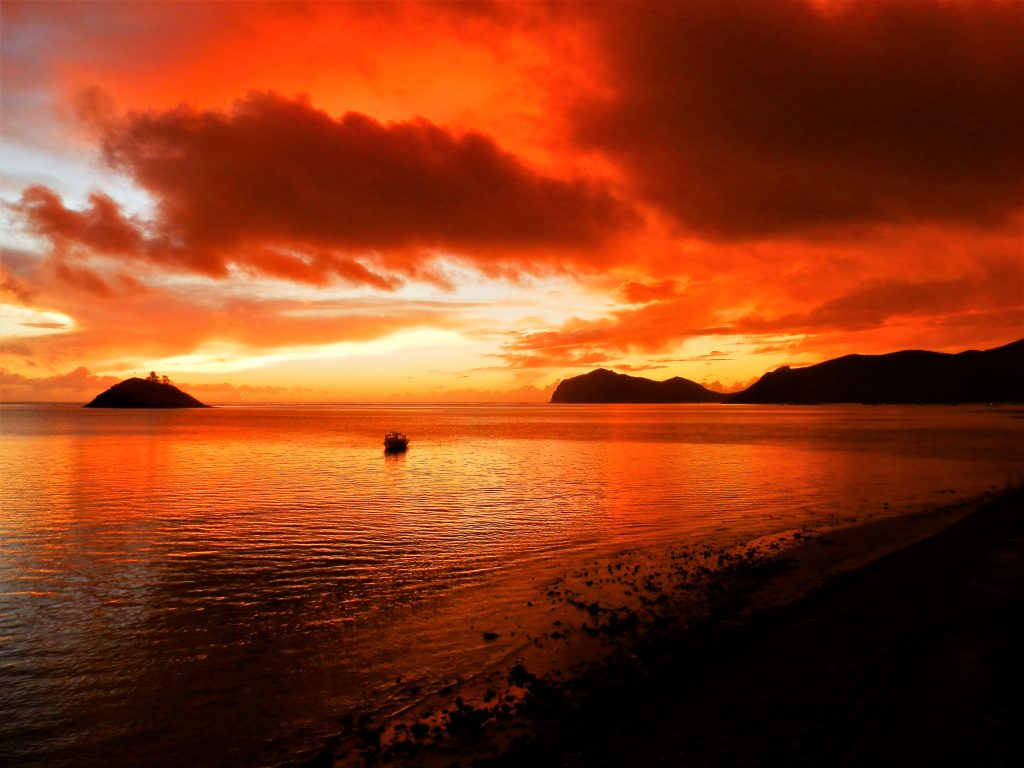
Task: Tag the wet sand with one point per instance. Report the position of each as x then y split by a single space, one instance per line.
891 642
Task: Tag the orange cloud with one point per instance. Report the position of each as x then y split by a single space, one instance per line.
524 394
119 323
875 302
13 287
165 325
499 68
986 298
282 189
634 292
80 385
74 386
745 119
793 179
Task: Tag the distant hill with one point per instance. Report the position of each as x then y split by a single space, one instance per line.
604 386
995 375
144 393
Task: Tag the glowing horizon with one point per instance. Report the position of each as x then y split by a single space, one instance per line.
422 202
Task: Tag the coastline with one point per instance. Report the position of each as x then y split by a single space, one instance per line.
794 652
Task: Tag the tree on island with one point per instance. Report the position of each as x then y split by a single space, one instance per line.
158 379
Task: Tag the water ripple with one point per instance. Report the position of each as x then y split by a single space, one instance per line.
214 588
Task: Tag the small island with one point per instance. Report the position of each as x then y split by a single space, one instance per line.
152 392
604 386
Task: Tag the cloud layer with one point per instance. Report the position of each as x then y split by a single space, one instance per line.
735 184
279 188
744 119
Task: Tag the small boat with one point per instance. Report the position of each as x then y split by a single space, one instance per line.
394 442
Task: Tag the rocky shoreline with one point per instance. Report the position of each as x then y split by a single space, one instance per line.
693 651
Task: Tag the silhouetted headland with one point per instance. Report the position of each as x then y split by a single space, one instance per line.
913 376
604 386
152 392
908 377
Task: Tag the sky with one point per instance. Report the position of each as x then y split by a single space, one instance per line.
469 201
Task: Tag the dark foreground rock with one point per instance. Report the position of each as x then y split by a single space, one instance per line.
144 393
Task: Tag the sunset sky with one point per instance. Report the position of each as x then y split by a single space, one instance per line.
471 201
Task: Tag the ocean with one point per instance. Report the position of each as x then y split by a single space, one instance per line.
224 587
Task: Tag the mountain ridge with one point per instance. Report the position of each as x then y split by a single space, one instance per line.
903 377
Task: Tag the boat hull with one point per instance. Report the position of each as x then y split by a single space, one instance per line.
396 445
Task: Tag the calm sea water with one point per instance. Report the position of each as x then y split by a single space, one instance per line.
219 587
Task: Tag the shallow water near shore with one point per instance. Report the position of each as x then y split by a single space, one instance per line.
221 587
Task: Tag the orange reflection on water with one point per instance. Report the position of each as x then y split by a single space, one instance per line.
187 567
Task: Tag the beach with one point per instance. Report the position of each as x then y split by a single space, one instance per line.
890 642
